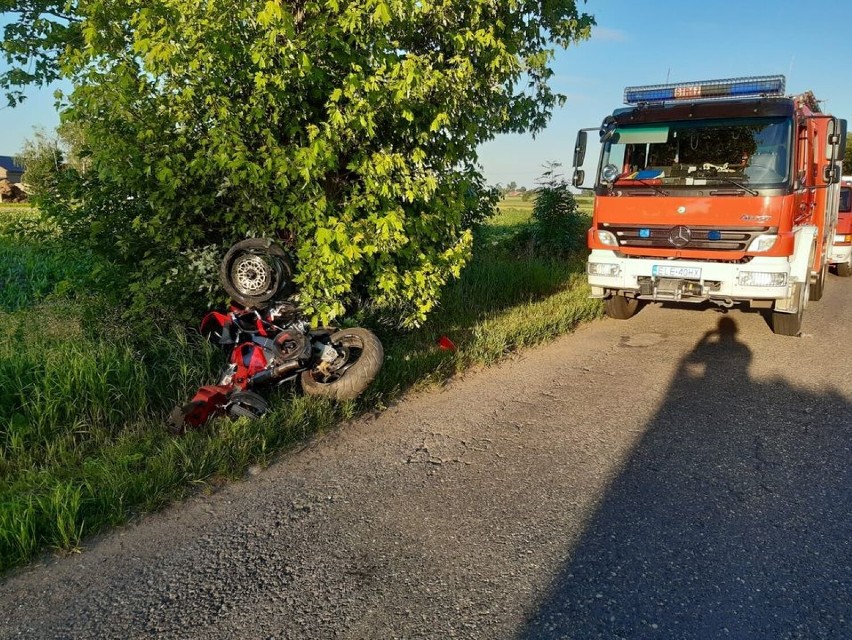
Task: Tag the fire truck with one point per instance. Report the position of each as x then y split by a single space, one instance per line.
841 252
722 190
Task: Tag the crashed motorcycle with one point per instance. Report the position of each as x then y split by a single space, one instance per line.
270 343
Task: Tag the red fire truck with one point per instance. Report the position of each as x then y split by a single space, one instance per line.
841 252
720 190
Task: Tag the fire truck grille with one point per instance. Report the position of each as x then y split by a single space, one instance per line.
687 237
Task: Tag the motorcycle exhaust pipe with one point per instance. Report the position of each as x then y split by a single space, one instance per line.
275 372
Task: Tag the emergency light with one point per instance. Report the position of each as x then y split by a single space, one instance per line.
706 90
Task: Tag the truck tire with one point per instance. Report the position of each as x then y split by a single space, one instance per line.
818 287
790 324
621 307
844 269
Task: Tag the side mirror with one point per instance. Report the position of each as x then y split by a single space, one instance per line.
580 149
831 174
608 129
579 178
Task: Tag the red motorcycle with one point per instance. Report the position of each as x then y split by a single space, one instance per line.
271 343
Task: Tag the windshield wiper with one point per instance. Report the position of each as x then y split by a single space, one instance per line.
736 183
655 187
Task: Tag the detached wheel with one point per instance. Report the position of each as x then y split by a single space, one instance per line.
256 270
621 307
359 360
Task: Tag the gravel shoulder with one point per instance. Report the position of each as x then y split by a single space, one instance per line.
669 476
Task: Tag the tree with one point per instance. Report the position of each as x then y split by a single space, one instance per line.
350 127
558 227
43 162
38 43
847 157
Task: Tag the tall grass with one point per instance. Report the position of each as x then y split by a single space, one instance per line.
33 264
82 402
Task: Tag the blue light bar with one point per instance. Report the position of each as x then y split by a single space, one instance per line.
707 90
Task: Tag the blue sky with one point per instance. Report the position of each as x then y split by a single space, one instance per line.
634 43
638 43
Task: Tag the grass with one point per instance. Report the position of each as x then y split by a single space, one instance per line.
83 445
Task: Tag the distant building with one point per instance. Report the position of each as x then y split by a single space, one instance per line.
10 170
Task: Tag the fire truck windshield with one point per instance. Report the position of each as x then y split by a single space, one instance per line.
748 153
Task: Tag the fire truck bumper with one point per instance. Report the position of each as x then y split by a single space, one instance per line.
689 281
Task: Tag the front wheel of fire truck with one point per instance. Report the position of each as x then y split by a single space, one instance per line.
818 287
358 361
790 324
844 269
621 307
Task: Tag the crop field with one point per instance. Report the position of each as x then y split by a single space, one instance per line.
83 401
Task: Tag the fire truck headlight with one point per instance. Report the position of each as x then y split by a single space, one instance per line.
843 239
763 243
761 279
607 238
600 269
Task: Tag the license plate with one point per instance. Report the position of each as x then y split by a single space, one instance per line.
666 271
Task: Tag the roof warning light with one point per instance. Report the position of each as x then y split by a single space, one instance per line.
707 90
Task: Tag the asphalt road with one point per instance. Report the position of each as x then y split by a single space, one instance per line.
684 474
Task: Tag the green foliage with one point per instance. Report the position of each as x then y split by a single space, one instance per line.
43 162
558 227
349 126
847 157
33 44
35 263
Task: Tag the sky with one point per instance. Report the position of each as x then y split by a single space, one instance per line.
633 44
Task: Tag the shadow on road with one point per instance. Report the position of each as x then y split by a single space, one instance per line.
732 519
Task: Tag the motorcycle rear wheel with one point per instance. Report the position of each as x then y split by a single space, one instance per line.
361 358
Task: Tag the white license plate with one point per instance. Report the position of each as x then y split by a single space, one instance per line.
666 271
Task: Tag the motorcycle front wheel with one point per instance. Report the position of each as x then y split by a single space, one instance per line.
359 361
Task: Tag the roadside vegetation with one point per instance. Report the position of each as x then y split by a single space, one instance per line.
349 133
83 396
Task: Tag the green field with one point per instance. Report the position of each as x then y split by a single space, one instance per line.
83 443
520 204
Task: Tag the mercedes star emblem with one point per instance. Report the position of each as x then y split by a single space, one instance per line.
680 236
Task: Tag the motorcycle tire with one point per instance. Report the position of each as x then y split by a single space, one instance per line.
255 271
360 361
246 404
